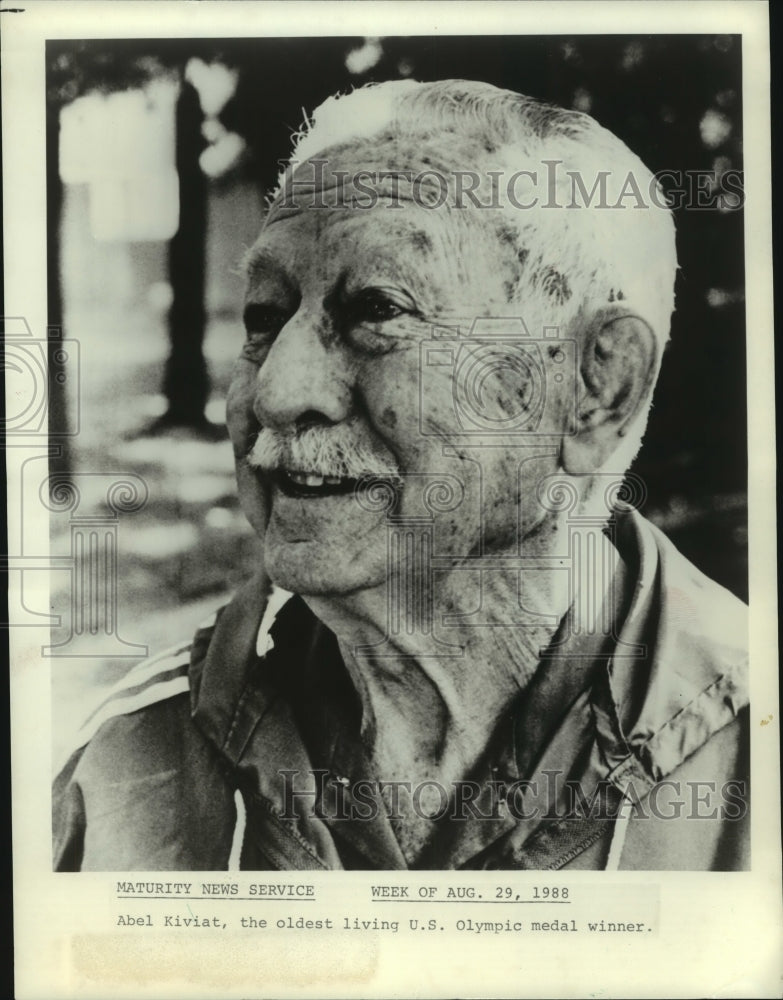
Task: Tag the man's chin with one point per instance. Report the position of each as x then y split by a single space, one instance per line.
324 545
310 568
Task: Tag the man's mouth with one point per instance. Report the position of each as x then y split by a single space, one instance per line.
312 484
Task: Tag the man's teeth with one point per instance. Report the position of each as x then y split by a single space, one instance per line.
311 479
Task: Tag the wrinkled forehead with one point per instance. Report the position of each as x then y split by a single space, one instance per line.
355 206
297 236
390 169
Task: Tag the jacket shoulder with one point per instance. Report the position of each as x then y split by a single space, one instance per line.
698 818
138 777
147 793
683 675
151 681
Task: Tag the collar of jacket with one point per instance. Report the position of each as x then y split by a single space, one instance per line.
671 674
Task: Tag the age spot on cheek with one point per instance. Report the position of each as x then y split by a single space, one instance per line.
389 417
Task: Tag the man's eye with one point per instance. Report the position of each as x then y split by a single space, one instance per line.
372 306
263 322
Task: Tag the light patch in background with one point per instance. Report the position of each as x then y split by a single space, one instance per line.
221 518
214 82
160 296
632 56
160 541
122 146
203 488
719 297
145 207
715 128
180 457
582 100
215 411
218 158
363 59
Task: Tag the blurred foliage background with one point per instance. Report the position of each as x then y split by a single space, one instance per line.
153 296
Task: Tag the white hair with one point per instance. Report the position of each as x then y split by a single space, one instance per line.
571 260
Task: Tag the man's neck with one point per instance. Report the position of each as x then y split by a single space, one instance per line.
432 698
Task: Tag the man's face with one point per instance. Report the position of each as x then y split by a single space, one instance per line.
331 386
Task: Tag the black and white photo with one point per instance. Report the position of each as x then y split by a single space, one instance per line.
461 643
389 441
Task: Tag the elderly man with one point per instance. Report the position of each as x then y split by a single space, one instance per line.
465 649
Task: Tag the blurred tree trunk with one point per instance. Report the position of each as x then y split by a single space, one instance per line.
186 382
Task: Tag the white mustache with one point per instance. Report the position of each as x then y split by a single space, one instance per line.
335 451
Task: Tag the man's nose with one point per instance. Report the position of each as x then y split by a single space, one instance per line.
305 375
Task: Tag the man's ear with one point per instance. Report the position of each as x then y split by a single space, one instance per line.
618 365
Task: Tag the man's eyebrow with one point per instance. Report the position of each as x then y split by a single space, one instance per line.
257 260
